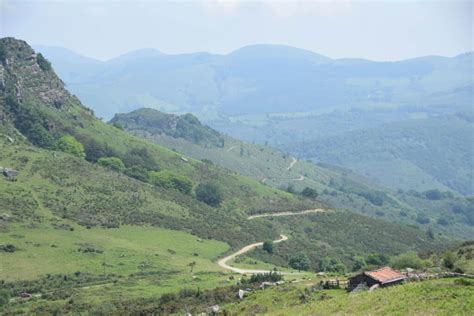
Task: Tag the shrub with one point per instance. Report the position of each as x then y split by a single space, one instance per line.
140 157
113 163
70 145
268 246
8 248
39 136
407 260
377 259
95 149
433 194
310 193
449 260
272 276
209 193
299 262
331 265
138 172
422 219
4 297
44 64
358 263
169 180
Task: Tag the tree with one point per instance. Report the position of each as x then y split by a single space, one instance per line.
268 246
70 145
113 163
407 260
169 180
377 259
358 263
433 194
39 136
449 260
138 172
310 193
44 64
299 262
209 193
328 264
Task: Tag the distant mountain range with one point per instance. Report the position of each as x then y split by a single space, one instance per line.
260 79
315 107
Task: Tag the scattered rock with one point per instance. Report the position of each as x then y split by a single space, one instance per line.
374 287
265 285
10 173
241 294
213 310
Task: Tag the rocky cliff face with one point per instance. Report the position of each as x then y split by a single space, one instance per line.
29 76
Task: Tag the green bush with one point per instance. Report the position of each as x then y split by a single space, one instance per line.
70 145
407 260
4 297
272 276
39 136
449 260
138 172
113 163
332 265
170 180
44 64
377 259
209 193
268 246
299 262
310 193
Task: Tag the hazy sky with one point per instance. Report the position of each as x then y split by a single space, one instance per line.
378 30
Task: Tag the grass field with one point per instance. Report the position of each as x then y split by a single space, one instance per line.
126 250
436 297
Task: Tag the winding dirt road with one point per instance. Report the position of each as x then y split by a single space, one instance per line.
223 262
292 163
317 210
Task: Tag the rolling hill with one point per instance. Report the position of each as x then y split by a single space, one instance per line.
337 187
90 213
262 79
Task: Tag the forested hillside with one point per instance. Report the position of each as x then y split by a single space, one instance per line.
336 187
410 154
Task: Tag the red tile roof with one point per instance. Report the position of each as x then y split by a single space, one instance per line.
385 275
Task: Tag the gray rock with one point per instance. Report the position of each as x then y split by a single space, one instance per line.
213 310
10 173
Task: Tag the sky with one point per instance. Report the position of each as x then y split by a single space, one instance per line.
377 30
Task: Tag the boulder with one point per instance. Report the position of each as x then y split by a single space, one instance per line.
213 310
10 173
241 294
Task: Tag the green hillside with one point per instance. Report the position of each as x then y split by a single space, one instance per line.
336 187
412 154
90 214
436 297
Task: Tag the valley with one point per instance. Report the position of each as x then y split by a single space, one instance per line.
158 213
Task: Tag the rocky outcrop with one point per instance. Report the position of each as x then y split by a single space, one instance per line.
10 173
21 66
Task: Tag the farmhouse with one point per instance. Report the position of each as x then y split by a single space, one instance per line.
382 277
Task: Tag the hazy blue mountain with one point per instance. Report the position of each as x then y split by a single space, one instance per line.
260 79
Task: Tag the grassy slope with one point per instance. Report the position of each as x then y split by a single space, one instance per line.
436 297
337 187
